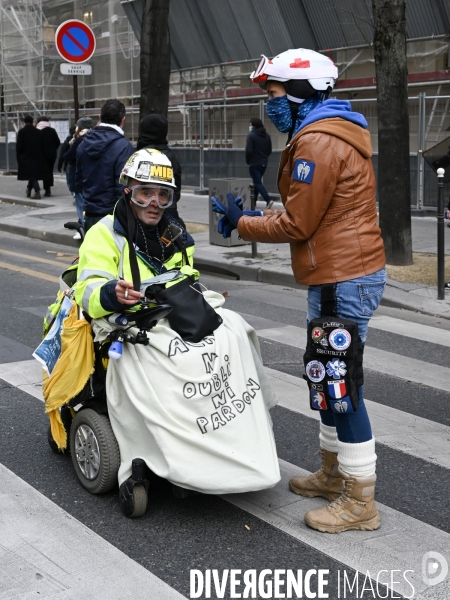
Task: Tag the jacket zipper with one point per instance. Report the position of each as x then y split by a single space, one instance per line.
311 255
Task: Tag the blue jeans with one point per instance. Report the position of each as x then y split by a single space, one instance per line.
357 299
256 173
79 205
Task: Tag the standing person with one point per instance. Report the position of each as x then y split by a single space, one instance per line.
51 143
257 151
153 134
83 126
100 159
328 190
29 157
62 163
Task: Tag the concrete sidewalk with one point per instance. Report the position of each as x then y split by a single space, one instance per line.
44 219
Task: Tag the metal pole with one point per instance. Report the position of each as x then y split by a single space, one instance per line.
440 236
252 207
202 146
6 141
75 98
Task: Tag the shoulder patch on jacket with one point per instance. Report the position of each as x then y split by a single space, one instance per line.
303 170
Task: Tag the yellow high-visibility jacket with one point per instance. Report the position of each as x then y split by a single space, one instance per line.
104 258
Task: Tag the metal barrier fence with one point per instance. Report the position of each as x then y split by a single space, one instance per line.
209 139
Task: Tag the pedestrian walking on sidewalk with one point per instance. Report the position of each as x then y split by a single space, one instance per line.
50 143
153 134
327 187
29 157
62 163
258 148
83 126
100 159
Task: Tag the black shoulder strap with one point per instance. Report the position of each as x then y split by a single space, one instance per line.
131 223
328 300
179 242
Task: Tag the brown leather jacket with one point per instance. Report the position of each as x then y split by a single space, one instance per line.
330 217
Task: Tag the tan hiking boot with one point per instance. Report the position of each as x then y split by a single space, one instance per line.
354 509
326 482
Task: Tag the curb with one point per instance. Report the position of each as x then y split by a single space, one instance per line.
46 236
394 297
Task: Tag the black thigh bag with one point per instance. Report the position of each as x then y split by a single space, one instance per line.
191 316
333 361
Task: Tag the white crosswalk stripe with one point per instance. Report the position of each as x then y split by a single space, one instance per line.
388 363
399 544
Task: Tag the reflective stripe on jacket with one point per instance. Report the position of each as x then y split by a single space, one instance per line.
104 257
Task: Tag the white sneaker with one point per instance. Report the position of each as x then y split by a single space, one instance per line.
77 236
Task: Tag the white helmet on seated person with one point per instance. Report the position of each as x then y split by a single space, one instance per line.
297 64
149 166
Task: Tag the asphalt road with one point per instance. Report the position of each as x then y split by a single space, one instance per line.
207 532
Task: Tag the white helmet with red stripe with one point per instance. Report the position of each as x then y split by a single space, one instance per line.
319 70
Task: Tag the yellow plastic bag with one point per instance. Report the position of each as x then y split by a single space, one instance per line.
72 370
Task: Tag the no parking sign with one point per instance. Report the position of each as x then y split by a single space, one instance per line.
75 41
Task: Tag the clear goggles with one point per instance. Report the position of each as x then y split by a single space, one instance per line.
143 195
258 76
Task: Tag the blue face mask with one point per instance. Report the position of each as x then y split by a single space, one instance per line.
279 112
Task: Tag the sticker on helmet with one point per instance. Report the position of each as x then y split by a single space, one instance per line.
340 339
315 371
162 172
303 170
143 170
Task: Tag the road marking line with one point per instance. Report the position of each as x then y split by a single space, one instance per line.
394 428
400 543
26 271
39 537
417 331
381 361
36 258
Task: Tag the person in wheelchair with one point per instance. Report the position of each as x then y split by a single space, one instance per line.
189 401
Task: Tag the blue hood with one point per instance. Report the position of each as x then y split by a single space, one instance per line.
97 141
333 108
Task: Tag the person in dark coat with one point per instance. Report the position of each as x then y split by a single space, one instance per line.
83 126
29 157
100 160
257 151
51 143
62 163
153 134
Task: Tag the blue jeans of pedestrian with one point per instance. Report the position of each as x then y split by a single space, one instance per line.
357 299
256 173
79 205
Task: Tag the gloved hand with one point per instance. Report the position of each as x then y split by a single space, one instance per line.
248 213
225 227
232 211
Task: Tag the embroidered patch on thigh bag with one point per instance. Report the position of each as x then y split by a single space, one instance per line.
333 364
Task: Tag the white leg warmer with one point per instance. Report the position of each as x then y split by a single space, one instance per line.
357 460
328 438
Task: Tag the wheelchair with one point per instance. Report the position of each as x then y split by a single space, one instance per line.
91 443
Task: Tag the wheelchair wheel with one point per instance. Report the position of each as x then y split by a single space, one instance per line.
135 504
94 450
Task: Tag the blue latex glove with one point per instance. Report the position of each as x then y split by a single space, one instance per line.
217 207
232 211
248 213
225 227
253 213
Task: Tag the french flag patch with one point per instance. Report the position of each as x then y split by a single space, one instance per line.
337 389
